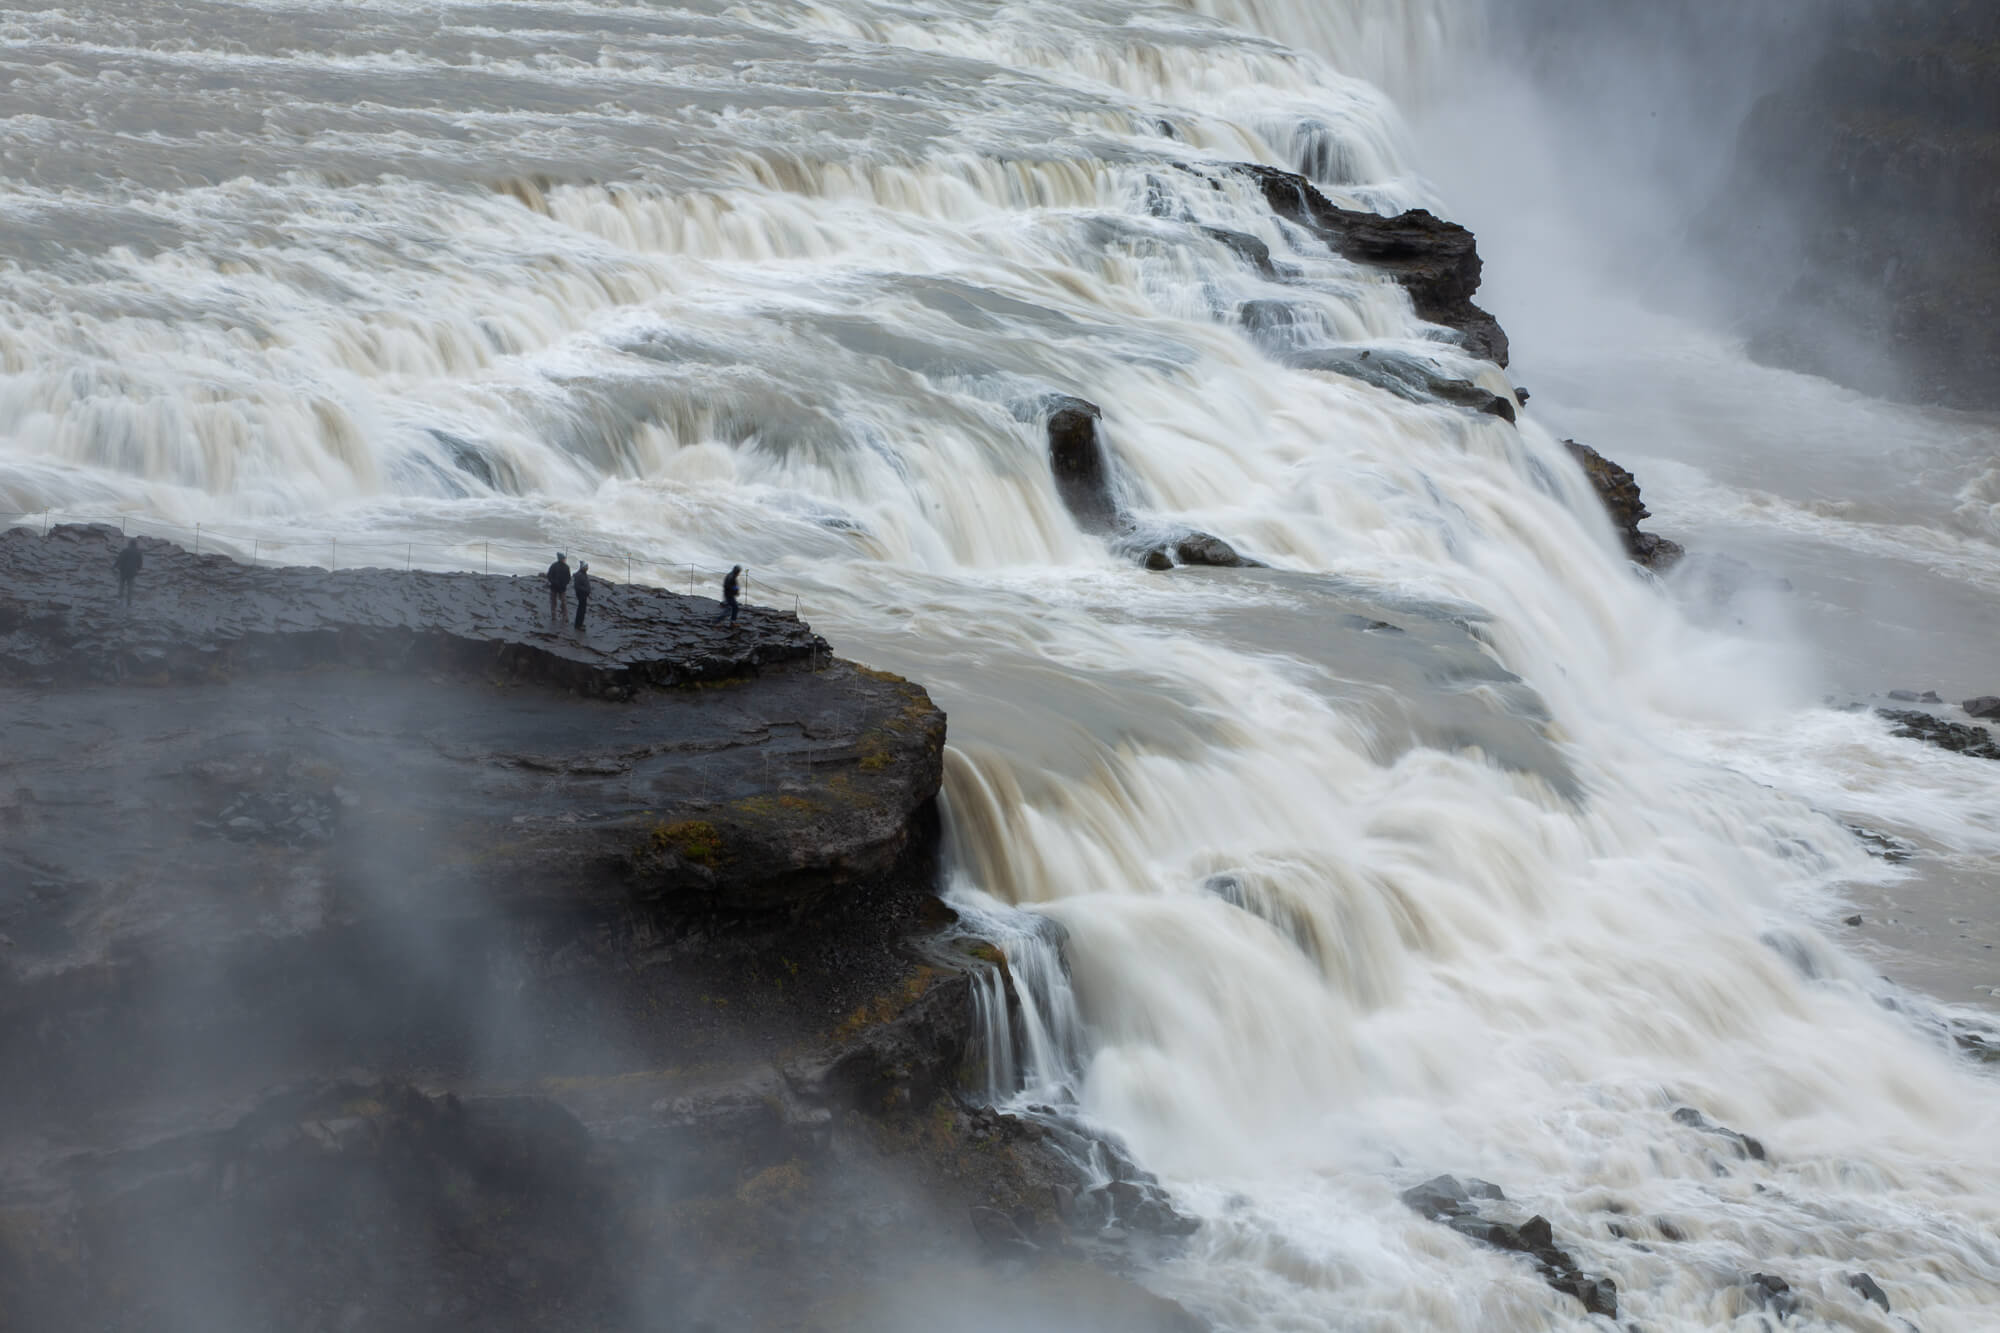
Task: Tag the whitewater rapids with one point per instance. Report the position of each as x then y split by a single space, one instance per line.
1449 844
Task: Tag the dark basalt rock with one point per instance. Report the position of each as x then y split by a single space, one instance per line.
1436 261
1869 1289
1248 248
1403 375
1082 469
1986 705
651 907
1746 1147
1199 548
201 618
1772 1293
1450 1201
1957 737
1619 491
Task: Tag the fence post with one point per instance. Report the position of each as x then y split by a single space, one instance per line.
334 559
197 539
487 549
628 571
45 522
254 544
690 580
407 548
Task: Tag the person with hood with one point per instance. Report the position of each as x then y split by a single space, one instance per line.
127 564
558 577
582 583
730 586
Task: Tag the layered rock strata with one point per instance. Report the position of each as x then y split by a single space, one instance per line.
377 954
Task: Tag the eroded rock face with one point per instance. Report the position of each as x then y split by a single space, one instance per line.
365 972
1619 490
1436 261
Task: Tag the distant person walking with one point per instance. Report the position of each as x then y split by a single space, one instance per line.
582 590
559 587
127 564
730 586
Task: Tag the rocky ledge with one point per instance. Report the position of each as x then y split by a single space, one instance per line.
374 954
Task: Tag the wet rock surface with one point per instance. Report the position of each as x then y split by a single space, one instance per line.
1745 1147
368 973
1460 1205
1958 737
1435 261
1619 491
207 617
1085 478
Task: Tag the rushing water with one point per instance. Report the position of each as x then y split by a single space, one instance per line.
1447 844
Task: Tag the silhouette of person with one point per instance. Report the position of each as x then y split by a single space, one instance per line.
582 584
559 587
729 590
127 564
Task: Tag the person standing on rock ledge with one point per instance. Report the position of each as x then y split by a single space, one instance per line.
127 564
582 590
559 587
729 590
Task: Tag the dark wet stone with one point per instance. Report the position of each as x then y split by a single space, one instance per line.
1772 1293
1986 705
1440 1196
1248 248
1619 491
1869 1289
1958 737
1435 261
1746 1147
1854 920
1408 377
1081 467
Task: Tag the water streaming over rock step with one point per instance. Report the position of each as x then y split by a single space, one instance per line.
1423 851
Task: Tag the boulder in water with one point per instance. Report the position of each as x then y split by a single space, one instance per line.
1081 466
1869 1289
1453 1202
1082 469
1958 737
1986 705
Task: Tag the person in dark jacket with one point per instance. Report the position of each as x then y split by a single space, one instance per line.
127 564
730 585
559 587
582 584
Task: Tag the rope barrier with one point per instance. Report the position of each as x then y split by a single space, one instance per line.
456 555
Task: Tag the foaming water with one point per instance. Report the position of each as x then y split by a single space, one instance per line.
1447 844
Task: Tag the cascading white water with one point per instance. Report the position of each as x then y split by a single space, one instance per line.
1447 844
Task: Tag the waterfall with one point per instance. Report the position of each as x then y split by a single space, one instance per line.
1442 842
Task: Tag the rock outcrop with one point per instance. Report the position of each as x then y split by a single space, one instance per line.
1084 477
1435 261
380 956
1464 1207
1958 737
1619 491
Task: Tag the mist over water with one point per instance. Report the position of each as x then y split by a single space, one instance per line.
1449 843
